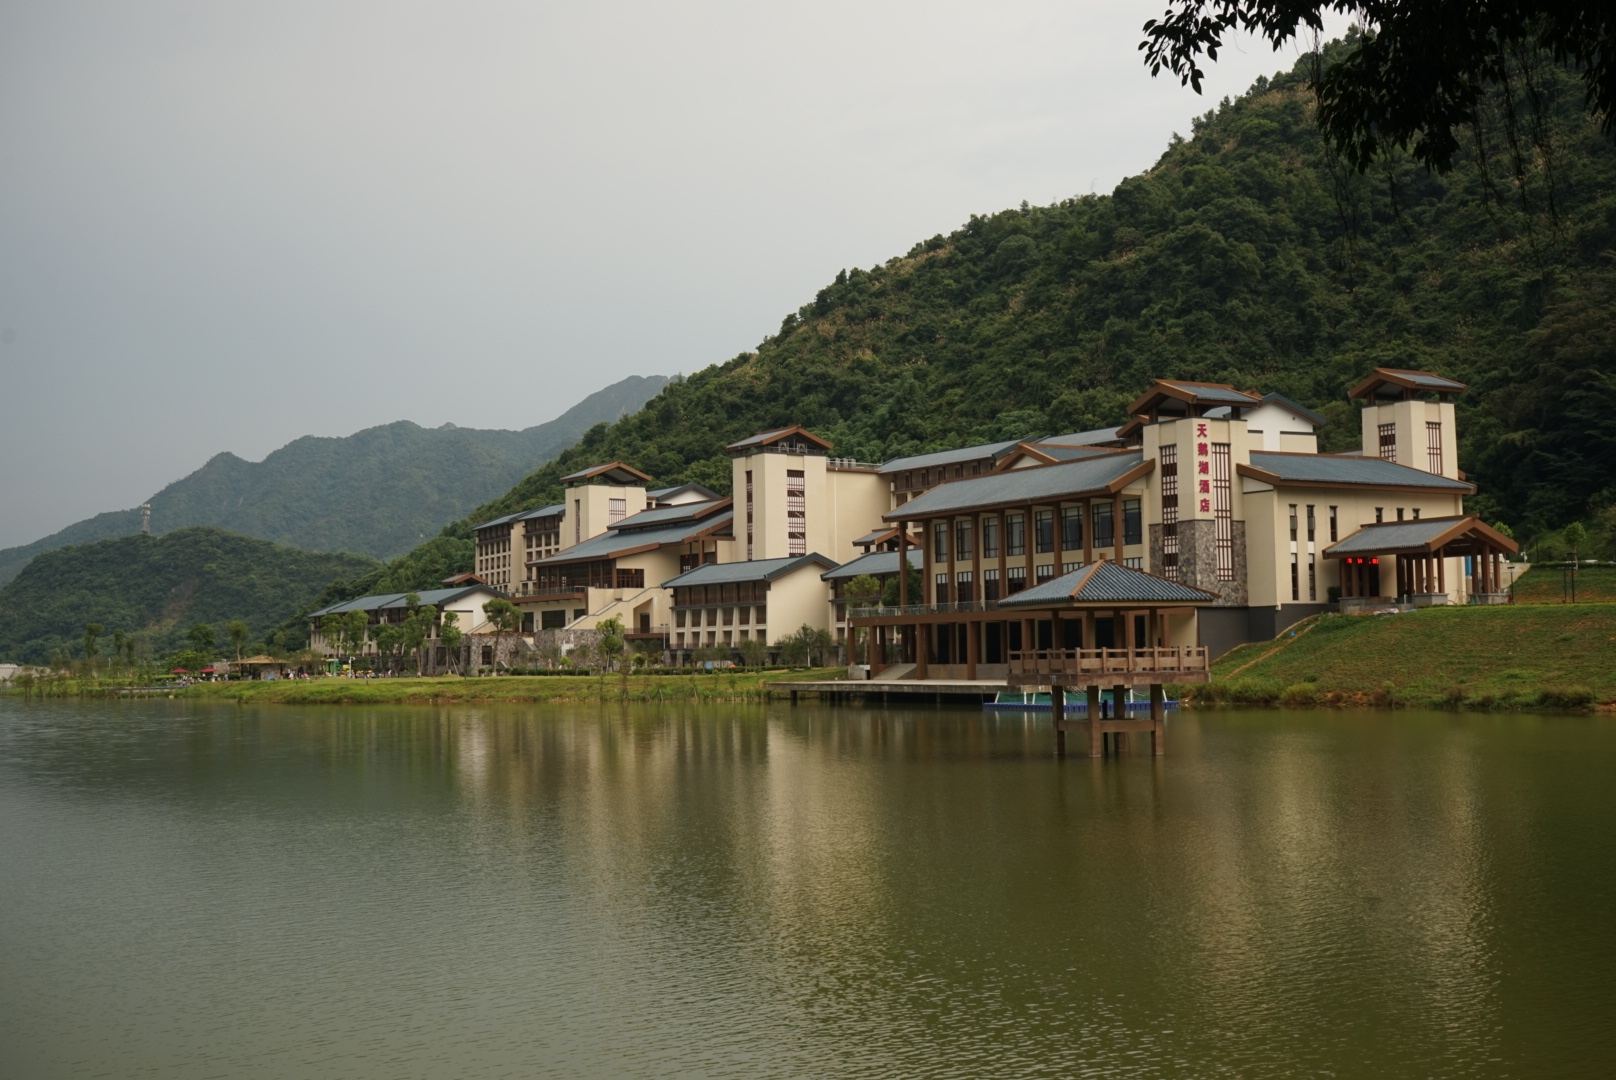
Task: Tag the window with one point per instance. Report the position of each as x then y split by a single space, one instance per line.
796 514
1045 572
1222 512
746 615
990 537
1380 514
1312 576
748 515
1332 525
1293 523
1015 535
1017 576
990 585
1388 441
1043 531
1071 528
1433 446
942 590
1312 523
1133 531
1296 591
1134 562
1416 513
963 546
1105 534
939 546
1399 513
577 521
616 510
762 617
964 586
1169 511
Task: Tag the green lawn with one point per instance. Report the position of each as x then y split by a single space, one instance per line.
1545 585
726 685
1511 656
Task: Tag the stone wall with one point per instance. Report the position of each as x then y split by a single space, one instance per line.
1198 563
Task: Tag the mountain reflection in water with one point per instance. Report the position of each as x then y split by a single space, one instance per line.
799 890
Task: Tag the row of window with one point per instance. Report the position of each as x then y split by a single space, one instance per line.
960 540
715 637
721 616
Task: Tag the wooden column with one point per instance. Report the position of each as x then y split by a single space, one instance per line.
1119 702
1057 713
973 649
1096 746
1158 721
903 564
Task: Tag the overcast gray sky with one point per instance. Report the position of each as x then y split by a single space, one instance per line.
223 226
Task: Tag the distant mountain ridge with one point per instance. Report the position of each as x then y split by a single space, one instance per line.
158 587
380 491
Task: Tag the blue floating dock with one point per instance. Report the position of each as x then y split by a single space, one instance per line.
1013 699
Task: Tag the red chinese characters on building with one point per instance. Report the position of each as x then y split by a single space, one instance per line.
1203 467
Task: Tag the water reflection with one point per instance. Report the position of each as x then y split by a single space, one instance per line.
782 890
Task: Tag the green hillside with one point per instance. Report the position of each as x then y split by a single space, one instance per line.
158 586
380 491
1245 255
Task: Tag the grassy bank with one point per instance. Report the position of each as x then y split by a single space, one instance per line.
1546 585
1508 657
724 686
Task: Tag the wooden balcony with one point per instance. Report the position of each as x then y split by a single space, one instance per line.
1109 667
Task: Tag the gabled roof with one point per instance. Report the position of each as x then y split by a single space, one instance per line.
755 570
1107 582
949 457
699 493
1199 394
876 562
497 521
553 510
616 542
1018 487
1334 470
1422 537
1290 406
1404 379
794 433
669 515
615 471
389 601
1049 454
1097 437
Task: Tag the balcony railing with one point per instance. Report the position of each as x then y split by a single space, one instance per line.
532 588
1162 660
860 611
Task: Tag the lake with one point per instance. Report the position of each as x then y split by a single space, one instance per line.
800 891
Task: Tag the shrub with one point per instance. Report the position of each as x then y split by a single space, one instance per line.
1298 694
1565 697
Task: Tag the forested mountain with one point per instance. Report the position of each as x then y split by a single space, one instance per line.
158 587
1245 255
379 491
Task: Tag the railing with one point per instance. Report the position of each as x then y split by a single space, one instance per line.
1164 660
658 630
532 588
849 463
880 612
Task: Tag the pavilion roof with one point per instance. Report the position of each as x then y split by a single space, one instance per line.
1107 582
1459 535
1406 380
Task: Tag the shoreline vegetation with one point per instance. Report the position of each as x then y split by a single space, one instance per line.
1511 657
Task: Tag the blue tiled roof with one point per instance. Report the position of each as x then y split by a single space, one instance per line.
1106 582
1338 469
1021 485
1083 438
876 562
388 601
947 457
608 545
755 570
668 515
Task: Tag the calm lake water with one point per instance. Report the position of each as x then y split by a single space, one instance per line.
780 891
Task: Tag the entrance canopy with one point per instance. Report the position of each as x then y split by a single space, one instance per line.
1447 537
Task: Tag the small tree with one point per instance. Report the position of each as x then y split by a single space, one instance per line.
754 653
389 641
550 654
794 649
506 619
354 631
92 635
202 638
238 636
889 592
120 643
611 640
417 628
451 635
